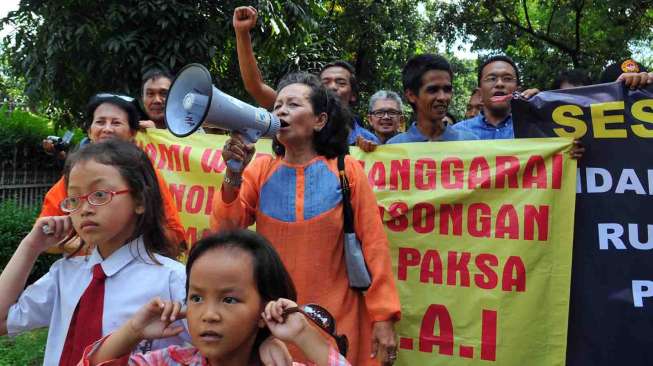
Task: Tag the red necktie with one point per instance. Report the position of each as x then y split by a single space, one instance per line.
86 323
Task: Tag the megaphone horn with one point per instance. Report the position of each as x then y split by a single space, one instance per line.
193 100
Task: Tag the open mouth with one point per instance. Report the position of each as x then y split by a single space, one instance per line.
500 97
283 123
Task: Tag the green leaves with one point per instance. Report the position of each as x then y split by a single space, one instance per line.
64 51
546 37
67 50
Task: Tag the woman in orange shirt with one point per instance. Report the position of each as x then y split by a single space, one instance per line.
115 116
296 201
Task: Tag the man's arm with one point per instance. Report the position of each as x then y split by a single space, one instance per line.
243 21
635 80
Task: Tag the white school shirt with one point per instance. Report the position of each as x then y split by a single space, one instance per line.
132 281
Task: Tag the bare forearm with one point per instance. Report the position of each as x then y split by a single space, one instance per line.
314 345
118 344
250 73
13 279
230 192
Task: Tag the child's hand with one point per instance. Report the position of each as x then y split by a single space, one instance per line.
48 231
153 320
274 352
287 329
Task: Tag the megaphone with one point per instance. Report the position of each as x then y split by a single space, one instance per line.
193 100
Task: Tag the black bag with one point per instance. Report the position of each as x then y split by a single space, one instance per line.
357 272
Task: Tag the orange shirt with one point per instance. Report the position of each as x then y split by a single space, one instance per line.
299 209
172 222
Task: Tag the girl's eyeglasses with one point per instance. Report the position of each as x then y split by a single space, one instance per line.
323 319
97 198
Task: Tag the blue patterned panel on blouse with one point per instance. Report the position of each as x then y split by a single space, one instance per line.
322 190
278 195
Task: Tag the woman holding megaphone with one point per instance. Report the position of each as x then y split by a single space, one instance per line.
295 198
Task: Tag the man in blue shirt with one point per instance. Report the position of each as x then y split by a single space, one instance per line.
498 78
427 81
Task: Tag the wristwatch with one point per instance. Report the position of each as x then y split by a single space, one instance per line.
234 182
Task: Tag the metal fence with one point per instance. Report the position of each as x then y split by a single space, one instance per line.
26 177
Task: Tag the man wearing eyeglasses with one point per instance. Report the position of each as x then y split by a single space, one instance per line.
385 114
427 81
498 78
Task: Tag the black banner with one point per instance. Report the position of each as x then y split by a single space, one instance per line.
611 314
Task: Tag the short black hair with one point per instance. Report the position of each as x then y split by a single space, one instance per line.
124 102
417 66
153 74
352 74
331 140
578 77
497 58
272 279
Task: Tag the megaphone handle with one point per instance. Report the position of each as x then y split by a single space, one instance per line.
249 137
235 165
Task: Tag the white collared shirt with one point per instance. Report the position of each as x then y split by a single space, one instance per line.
133 279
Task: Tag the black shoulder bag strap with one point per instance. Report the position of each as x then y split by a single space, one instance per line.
357 272
346 194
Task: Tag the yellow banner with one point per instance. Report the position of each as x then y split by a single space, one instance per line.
480 233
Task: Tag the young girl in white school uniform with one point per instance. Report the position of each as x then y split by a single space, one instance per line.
114 203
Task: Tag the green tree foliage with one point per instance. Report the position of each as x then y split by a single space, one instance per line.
377 37
546 37
67 50
464 82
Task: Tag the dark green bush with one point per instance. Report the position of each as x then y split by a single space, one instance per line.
15 224
27 130
22 128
